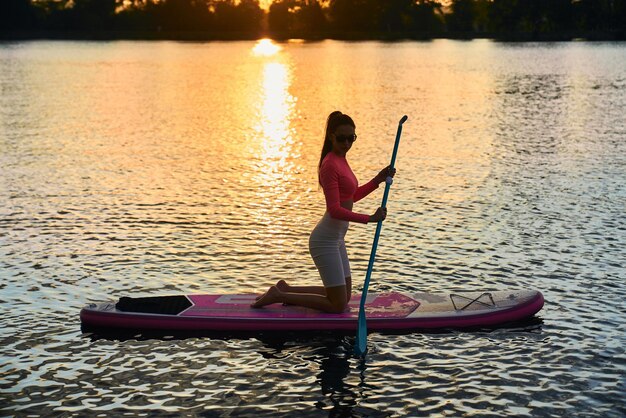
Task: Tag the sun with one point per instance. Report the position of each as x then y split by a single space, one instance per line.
265 48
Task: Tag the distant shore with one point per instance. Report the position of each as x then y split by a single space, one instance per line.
346 36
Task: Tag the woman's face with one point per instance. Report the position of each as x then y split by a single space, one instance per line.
342 138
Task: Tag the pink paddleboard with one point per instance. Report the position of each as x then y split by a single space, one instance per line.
385 311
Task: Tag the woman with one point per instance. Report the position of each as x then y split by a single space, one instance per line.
326 243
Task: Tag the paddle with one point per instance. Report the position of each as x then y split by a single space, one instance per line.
360 348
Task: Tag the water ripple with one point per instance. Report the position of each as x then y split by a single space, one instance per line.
510 175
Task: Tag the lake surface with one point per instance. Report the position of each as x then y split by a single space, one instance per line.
158 168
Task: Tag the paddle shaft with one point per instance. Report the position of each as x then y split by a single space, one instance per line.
361 333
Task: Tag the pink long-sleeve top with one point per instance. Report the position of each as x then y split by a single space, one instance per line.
340 185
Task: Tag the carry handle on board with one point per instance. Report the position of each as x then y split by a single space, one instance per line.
360 347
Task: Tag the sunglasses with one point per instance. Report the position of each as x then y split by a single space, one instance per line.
344 138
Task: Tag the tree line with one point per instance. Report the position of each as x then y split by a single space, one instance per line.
314 19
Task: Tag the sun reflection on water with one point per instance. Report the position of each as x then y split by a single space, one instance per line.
273 140
275 114
273 143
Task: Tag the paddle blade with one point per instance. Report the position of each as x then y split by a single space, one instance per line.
360 345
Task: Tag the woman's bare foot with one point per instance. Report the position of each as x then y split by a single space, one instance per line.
271 296
281 285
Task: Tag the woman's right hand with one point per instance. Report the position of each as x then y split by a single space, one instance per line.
379 215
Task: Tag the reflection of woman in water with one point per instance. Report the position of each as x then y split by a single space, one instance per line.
326 243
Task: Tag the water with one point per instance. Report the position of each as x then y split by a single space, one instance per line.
153 168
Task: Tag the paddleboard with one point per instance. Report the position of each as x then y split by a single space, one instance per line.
385 311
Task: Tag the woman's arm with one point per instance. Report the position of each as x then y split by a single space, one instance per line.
372 185
366 189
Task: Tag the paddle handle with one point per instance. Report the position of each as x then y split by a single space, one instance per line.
389 180
361 333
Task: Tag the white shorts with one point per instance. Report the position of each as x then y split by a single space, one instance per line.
328 250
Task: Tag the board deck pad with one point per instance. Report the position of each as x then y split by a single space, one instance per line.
232 312
389 305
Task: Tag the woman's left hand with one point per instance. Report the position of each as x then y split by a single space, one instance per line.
384 173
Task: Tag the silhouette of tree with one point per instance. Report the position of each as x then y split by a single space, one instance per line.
354 15
280 18
394 15
600 15
523 19
245 16
90 15
619 17
182 15
426 17
138 16
250 15
296 18
557 16
310 17
462 17
16 15
530 16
